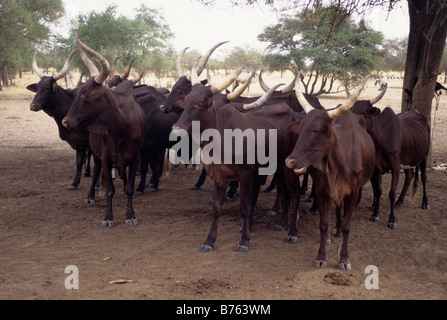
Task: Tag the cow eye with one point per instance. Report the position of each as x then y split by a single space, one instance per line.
198 105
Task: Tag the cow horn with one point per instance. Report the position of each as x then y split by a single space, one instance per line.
263 85
88 63
239 90
180 70
65 68
299 95
68 80
335 113
229 81
125 74
105 67
113 67
207 56
194 76
36 68
380 96
140 75
290 87
263 99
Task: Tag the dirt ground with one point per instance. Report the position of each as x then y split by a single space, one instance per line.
44 228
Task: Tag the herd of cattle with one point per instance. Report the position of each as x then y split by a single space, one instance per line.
127 127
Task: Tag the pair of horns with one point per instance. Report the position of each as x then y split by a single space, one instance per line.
60 74
266 88
373 100
337 112
101 76
125 74
201 65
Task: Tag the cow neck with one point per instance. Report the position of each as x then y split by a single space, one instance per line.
57 107
116 116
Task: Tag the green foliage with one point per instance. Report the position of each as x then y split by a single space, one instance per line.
326 44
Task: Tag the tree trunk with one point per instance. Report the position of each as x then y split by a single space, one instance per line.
426 42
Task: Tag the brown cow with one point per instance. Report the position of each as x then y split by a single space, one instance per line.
336 149
117 128
200 105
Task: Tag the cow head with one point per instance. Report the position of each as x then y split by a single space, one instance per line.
47 85
92 97
316 136
116 79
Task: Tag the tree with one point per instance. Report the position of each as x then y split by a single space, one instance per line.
395 52
326 52
23 25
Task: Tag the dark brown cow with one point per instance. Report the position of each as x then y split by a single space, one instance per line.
402 139
336 149
200 105
56 101
117 128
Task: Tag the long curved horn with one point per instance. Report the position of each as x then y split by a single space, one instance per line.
380 96
229 81
68 80
180 70
263 85
36 68
290 87
194 76
239 90
113 67
65 68
263 99
299 95
348 103
88 63
125 74
105 67
207 56
140 75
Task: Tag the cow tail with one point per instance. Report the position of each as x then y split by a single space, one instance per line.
415 183
167 163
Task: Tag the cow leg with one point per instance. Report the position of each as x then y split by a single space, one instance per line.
293 186
392 222
281 203
143 174
338 221
248 186
324 203
219 193
201 180
154 162
96 172
409 174
349 204
129 186
87 166
425 204
376 182
110 191
80 158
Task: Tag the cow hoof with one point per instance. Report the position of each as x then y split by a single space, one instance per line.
292 239
241 248
272 213
138 193
374 219
152 189
392 225
131 222
321 264
328 241
89 201
279 228
425 207
72 187
107 224
345 266
205 248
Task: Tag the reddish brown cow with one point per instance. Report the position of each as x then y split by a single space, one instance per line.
336 149
200 105
117 128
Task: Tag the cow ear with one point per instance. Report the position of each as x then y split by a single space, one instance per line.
373 111
32 87
330 130
293 127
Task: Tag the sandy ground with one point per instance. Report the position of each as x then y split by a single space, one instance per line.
44 228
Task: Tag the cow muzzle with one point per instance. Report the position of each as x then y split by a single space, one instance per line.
35 107
69 123
291 163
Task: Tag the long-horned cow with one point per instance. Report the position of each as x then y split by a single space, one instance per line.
336 149
116 125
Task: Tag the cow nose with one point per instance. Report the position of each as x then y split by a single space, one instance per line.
34 107
290 163
162 108
65 122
